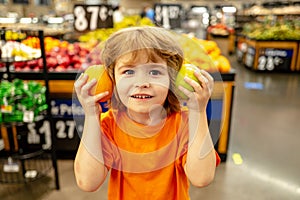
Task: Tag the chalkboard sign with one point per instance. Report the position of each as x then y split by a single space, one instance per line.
91 17
168 15
273 59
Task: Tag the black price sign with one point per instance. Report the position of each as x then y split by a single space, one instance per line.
91 17
37 135
168 15
275 59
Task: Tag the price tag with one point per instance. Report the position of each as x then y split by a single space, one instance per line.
6 109
91 17
28 116
168 15
13 167
274 59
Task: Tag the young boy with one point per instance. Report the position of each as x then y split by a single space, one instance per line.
152 147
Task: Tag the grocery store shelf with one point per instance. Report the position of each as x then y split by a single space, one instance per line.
40 76
72 75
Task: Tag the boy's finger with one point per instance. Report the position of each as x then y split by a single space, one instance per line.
192 82
185 91
100 96
88 86
82 79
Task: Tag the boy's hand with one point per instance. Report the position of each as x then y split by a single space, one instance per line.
202 92
83 90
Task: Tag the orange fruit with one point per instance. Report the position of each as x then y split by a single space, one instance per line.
104 82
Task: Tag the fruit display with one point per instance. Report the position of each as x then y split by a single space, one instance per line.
104 82
21 101
281 10
64 58
220 30
282 30
61 56
14 35
194 53
19 51
205 54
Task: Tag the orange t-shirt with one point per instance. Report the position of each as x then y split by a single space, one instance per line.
146 162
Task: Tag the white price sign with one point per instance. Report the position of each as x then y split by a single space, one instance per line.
91 17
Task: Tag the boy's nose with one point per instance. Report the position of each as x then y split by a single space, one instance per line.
142 84
142 78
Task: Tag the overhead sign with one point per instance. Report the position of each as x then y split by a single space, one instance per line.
168 15
91 17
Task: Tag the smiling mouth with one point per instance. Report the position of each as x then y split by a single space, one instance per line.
141 96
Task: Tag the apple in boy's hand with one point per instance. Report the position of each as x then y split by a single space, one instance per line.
186 70
104 83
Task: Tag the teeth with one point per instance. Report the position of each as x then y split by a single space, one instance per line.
141 96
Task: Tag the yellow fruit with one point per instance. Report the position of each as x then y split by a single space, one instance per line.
186 70
224 64
104 82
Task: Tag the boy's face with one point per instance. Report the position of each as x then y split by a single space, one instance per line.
140 83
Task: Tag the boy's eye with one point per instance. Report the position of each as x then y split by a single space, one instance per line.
128 72
155 72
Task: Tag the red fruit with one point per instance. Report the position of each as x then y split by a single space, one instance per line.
19 64
51 62
83 53
77 66
32 63
75 59
59 68
26 68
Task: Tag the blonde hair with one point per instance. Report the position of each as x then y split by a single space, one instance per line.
157 43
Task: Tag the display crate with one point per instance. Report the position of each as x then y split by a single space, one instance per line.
25 168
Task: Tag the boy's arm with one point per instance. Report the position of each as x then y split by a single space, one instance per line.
201 158
89 168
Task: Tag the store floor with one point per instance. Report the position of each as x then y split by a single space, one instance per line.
265 131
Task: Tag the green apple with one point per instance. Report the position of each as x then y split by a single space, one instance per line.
186 70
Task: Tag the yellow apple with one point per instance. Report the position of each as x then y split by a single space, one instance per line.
186 70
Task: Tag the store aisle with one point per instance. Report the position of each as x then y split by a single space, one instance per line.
265 131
